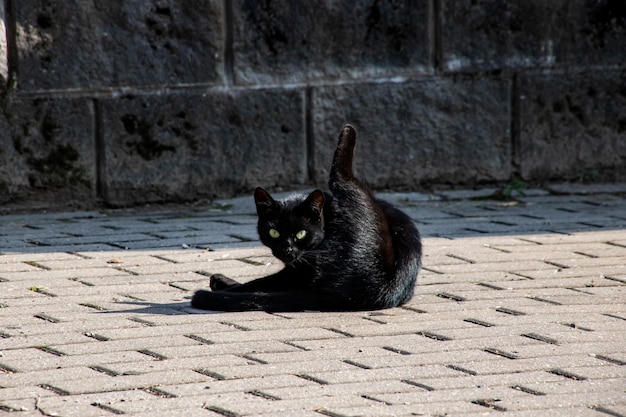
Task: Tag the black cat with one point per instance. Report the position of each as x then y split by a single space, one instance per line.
342 251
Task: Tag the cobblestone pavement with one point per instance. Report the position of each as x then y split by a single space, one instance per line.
520 311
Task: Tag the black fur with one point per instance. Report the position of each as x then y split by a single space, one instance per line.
356 252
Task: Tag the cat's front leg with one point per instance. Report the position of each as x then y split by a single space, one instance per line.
219 282
284 280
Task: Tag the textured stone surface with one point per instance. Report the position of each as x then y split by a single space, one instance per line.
442 92
527 320
492 34
438 130
47 144
281 40
573 126
182 146
82 44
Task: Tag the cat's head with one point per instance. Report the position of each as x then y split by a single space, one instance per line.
292 226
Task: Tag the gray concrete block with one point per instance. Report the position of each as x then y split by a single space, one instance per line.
47 145
490 34
437 130
74 44
281 41
201 144
573 126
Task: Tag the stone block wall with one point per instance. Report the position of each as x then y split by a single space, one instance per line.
138 101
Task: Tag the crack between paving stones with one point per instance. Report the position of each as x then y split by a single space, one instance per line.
527 390
341 332
431 270
414 309
312 379
541 338
609 359
396 350
261 394
329 413
45 317
623 281
358 365
605 410
292 344
142 321
235 326
509 311
543 300
461 369
9 409
566 374
558 265
152 354
374 320
37 265
460 258
575 326
490 286
253 359
134 298
372 398
56 390
107 408
451 297
614 316
178 287
578 290
211 374
495 351
199 339
434 336
219 410
479 322
93 306
5 369
105 370
489 403
40 290
51 350
159 392
417 384
98 337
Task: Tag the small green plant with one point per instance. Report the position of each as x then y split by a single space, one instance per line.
589 175
515 187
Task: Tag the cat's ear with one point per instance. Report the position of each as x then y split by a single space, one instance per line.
263 200
315 201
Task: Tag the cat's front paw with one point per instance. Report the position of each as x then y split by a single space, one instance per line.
219 282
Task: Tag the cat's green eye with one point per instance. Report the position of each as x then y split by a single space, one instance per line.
274 233
301 234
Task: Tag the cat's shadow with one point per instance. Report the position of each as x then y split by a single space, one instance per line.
165 309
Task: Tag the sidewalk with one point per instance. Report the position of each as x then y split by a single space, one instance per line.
520 310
